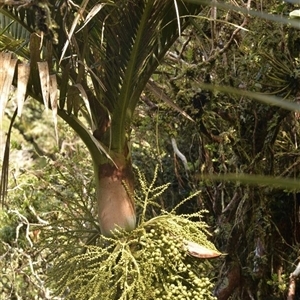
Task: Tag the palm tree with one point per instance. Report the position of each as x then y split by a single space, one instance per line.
101 61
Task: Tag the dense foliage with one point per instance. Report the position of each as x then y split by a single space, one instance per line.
257 226
53 236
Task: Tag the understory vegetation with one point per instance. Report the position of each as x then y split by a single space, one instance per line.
57 252
225 183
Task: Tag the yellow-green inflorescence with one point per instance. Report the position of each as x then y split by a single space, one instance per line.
150 262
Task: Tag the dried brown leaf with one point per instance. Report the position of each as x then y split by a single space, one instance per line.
86 102
7 72
45 81
23 76
53 102
64 85
91 14
196 250
72 30
35 52
73 100
158 92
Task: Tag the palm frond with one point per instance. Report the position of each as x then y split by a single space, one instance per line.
12 28
111 52
260 14
133 39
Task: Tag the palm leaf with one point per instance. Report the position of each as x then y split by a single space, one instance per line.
287 184
116 49
13 28
263 98
134 40
260 14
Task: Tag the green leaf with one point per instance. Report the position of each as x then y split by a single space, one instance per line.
260 180
254 13
264 98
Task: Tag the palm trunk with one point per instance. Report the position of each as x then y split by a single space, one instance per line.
115 201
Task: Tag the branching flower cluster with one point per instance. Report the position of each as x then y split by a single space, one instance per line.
150 262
